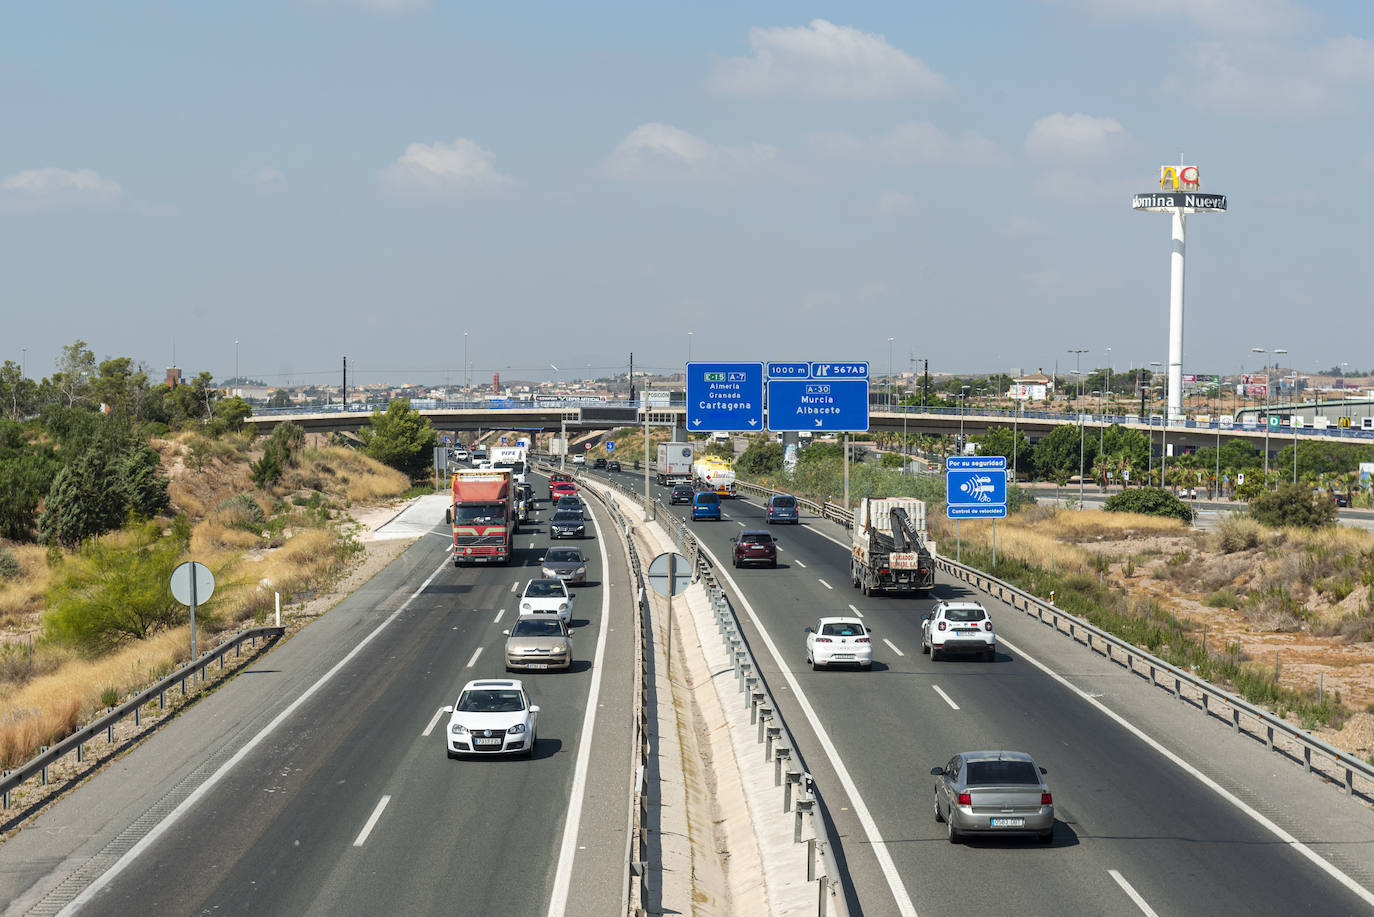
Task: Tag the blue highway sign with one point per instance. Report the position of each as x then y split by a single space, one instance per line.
610 445
853 370
818 406
976 487
789 370
724 397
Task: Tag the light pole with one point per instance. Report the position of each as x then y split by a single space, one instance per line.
1276 351
236 364
1151 419
689 347
889 374
1295 429
1015 437
1109 380
1101 428
562 423
1078 406
963 406
465 362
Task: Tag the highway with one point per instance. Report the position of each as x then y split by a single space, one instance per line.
350 805
1133 824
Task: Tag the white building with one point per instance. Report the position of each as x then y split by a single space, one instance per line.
1037 387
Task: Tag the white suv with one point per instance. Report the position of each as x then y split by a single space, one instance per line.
958 627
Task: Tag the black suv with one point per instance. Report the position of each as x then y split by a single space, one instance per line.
613 465
599 463
682 493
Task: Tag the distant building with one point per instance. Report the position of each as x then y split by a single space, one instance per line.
173 378
1035 387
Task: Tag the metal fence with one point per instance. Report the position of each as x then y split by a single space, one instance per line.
778 746
76 742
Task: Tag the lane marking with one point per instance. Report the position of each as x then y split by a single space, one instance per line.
799 564
1132 893
562 880
1312 856
434 720
880 847
939 691
824 583
475 653
892 646
514 587
371 822
199 792
497 619
856 611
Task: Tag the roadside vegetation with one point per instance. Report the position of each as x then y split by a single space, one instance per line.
99 504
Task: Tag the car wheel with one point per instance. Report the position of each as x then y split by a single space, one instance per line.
1046 837
934 653
735 562
868 666
773 565
452 755
950 831
938 816
990 655
925 647
815 666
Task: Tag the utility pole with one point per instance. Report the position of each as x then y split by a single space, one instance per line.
345 383
632 376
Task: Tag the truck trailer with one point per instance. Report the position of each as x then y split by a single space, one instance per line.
891 551
674 465
484 516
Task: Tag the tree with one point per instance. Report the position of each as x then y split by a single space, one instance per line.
18 395
998 441
281 398
1149 501
143 488
82 501
1060 452
230 413
27 468
400 437
120 385
760 458
75 369
1295 505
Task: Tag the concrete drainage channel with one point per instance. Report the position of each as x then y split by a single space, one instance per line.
722 797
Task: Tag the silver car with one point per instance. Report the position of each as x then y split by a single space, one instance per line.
567 564
538 643
993 792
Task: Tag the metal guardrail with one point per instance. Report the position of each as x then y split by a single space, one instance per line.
1147 665
39 764
798 789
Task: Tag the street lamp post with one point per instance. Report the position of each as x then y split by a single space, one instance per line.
963 406
889 374
1295 430
1151 419
1276 351
465 362
237 380
689 347
1015 438
1078 406
1101 428
1109 380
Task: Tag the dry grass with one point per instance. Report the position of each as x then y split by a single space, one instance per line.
346 474
21 598
1033 543
50 706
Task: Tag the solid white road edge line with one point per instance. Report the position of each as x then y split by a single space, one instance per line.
880 851
371 822
892 646
434 721
475 653
1132 893
824 583
939 691
1359 890
562 879
162 827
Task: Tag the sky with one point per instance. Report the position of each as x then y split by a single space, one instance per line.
565 184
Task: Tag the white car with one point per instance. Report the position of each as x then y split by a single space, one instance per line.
958 627
835 641
460 454
547 596
492 717
579 458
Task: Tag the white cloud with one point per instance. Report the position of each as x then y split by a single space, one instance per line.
661 151
1220 16
891 202
913 143
57 189
824 61
269 179
442 169
385 7
1076 137
1268 78
1075 188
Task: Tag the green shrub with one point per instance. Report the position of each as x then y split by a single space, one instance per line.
1295 505
1149 501
1222 598
1236 533
9 565
109 697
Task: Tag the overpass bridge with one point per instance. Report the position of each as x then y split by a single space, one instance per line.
581 416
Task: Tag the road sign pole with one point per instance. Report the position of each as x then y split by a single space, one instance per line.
193 615
672 578
846 472
646 456
994 544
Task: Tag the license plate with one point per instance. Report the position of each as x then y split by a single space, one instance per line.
966 633
1008 822
536 665
843 656
494 741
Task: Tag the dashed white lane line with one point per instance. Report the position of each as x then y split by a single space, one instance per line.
892 646
1132 893
738 523
497 619
799 564
856 611
475 653
948 700
514 587
434 721
371 821
825 584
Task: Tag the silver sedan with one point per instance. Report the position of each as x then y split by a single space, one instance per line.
993 792
538 643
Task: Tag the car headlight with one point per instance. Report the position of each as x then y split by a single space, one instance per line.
526 606
458 729
562 606
581 569
517 729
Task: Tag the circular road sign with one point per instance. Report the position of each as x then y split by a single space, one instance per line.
681 578
192 583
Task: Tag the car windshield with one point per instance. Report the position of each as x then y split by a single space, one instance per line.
965 614
545 589
533 628
567 515
842 629
756 538
478 512
784 502
563 556
506 700
707 498
997 773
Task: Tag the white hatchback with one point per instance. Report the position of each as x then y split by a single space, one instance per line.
958 627
547 596
491 717
836 641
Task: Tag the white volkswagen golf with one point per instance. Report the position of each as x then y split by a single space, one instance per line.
492 717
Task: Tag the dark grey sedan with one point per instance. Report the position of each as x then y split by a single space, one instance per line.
567 523
993 792
567 564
